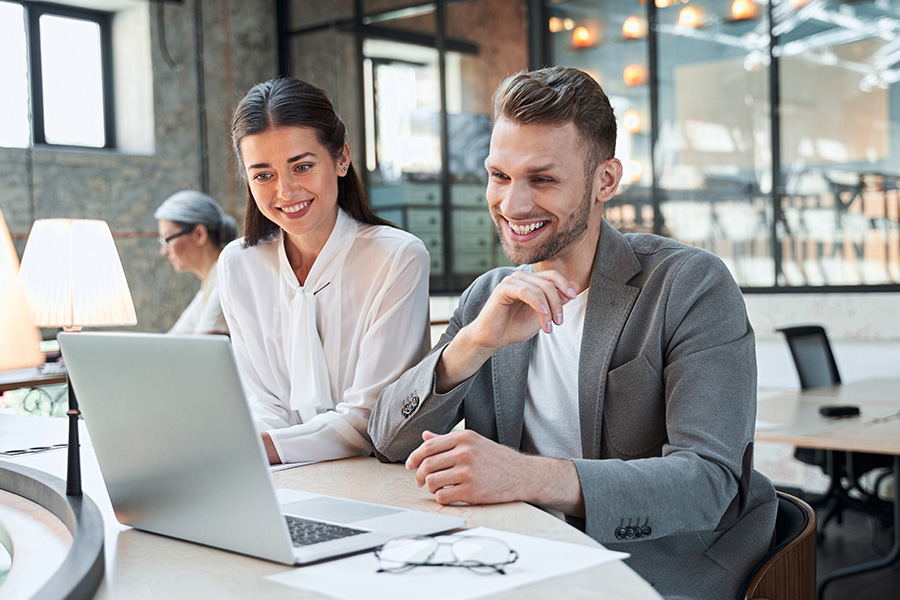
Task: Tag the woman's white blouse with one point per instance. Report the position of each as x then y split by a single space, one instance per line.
204 313
370 286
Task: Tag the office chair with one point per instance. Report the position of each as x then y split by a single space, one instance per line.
788 571
816 367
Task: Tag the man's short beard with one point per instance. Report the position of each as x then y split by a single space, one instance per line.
574 227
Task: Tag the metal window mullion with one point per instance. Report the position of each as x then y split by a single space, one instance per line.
656 192
446 222
33 33
775 124
282 16
359 48
200 73
109 98
538 35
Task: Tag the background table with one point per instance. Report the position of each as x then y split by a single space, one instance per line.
145 565
28 378
877 429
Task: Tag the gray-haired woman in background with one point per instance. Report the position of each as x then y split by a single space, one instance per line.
193 229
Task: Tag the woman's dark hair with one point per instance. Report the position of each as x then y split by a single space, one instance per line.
290 102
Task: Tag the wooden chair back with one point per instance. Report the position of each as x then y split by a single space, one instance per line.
788 571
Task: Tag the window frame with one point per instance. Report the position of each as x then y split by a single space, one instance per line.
33 12
541 47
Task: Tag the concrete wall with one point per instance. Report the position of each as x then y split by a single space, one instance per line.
864 330
159 111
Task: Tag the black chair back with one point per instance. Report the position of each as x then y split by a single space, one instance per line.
812 355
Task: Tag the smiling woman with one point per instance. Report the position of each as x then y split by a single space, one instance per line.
326 302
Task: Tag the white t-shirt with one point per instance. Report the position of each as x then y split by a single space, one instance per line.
371 291
552 426
204 313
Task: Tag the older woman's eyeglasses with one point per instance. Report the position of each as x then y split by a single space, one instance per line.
477 553
165 241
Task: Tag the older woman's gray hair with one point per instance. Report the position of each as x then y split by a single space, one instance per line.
189 208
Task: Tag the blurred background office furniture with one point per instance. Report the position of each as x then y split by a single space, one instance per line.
817 368
788 571
81 569
796 420
73 278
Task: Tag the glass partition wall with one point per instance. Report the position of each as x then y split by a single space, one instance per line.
425 75
765 132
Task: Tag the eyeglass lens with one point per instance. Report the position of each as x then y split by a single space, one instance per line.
165 241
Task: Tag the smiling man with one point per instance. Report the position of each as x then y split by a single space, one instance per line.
611 379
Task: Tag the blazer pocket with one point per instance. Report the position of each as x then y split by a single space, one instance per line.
635 409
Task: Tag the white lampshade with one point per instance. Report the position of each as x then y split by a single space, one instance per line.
73 277
20 340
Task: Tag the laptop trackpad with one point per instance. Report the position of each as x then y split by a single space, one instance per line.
336 510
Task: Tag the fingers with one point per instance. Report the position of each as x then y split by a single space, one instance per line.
433 444
545 292
464 466
440 471
438 460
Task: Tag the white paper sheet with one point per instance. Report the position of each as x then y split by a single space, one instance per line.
539 559
284 466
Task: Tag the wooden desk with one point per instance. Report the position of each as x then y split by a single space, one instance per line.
144 565
28 378
875 430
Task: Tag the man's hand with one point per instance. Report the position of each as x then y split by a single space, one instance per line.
464 466
520 306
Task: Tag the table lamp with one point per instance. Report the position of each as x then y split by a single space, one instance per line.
73 278
19 338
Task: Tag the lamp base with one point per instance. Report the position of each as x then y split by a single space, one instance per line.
73 471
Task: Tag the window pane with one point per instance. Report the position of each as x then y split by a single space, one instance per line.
471 79
72 81
840 109
609 41
404 157
714 141
14 129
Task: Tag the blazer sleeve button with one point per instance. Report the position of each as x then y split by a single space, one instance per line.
620 533
645 530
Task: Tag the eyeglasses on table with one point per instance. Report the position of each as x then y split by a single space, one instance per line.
477 553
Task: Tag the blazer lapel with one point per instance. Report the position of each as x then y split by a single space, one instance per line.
609 304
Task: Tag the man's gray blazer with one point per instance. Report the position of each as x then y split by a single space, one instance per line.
667 397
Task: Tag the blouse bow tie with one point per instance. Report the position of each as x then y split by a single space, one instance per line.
311 377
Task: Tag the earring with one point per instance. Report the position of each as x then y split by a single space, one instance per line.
344 169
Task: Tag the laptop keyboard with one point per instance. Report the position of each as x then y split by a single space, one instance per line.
305 532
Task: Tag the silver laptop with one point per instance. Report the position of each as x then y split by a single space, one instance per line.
181 457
